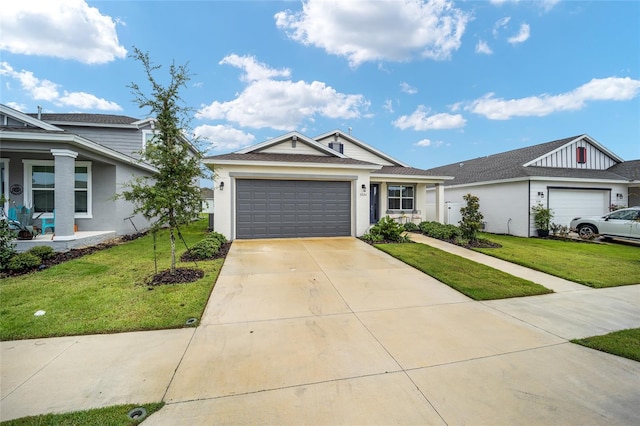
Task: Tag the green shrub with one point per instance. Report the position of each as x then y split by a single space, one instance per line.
43 252
7 247
23 262
216 236
410 227
388 229
204 249
471 222
372 238
440 231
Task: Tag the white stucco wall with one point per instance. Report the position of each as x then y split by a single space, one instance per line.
224 206
504 206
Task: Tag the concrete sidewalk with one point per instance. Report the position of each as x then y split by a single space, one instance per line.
333 331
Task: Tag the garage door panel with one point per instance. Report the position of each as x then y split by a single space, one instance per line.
273 209
567 203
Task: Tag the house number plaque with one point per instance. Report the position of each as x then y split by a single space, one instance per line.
16 189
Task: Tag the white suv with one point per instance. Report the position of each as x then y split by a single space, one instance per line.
620 223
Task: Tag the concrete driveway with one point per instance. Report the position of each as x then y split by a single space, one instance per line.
332 331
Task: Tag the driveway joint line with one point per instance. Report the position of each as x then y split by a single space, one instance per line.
175 370
75 342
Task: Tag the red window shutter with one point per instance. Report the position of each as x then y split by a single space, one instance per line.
581 155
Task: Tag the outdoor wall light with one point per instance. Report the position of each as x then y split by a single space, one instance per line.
619 196
364 187
541 194
221 186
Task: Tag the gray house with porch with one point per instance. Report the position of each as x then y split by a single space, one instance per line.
68 168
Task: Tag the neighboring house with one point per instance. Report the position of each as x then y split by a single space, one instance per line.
75 164
330 185
576 176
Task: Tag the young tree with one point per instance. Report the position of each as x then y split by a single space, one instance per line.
171 197
471 222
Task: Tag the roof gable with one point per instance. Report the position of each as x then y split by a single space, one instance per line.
17 119
291 143
596 156
533 160
357 149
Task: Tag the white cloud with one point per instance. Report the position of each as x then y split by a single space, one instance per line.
282 104
69 29
40 90
421 120
223 137
87 101
546 5
428 142
500 24
388 105
253 70
46 90
522 36
483 47
379 30
17 106
606 89
407 88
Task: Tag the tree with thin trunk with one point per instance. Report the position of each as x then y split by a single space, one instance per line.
171 197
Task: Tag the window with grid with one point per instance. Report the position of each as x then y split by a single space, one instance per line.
42 176
401 197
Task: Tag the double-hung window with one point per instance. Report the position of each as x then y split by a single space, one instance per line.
40 187
401 197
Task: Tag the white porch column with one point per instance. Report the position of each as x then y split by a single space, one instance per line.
440 202
65 161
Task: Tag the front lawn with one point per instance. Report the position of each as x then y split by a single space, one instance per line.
105 292
595 265
115 415
480 282
624 343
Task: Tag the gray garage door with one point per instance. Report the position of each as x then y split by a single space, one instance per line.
292 208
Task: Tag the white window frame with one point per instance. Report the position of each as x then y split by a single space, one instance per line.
413 198
146 136
28 190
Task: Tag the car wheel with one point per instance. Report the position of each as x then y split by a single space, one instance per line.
587 231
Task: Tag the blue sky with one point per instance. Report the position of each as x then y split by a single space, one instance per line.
430 83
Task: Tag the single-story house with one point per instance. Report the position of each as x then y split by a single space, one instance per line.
576 176
74 164
330 185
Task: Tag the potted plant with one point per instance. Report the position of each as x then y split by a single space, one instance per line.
26 229
542 219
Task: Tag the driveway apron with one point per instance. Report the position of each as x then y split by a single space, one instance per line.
333 331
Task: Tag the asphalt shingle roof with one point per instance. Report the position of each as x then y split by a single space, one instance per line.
628 169
509 165
85 118
407 171
290 158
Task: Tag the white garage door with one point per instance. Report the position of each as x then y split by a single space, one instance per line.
569 203
292 208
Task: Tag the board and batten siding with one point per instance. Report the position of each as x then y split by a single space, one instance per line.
287 147
356 152
566 158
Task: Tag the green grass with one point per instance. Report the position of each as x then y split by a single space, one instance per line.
480 282
105 292
594 265
109 416
624 343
